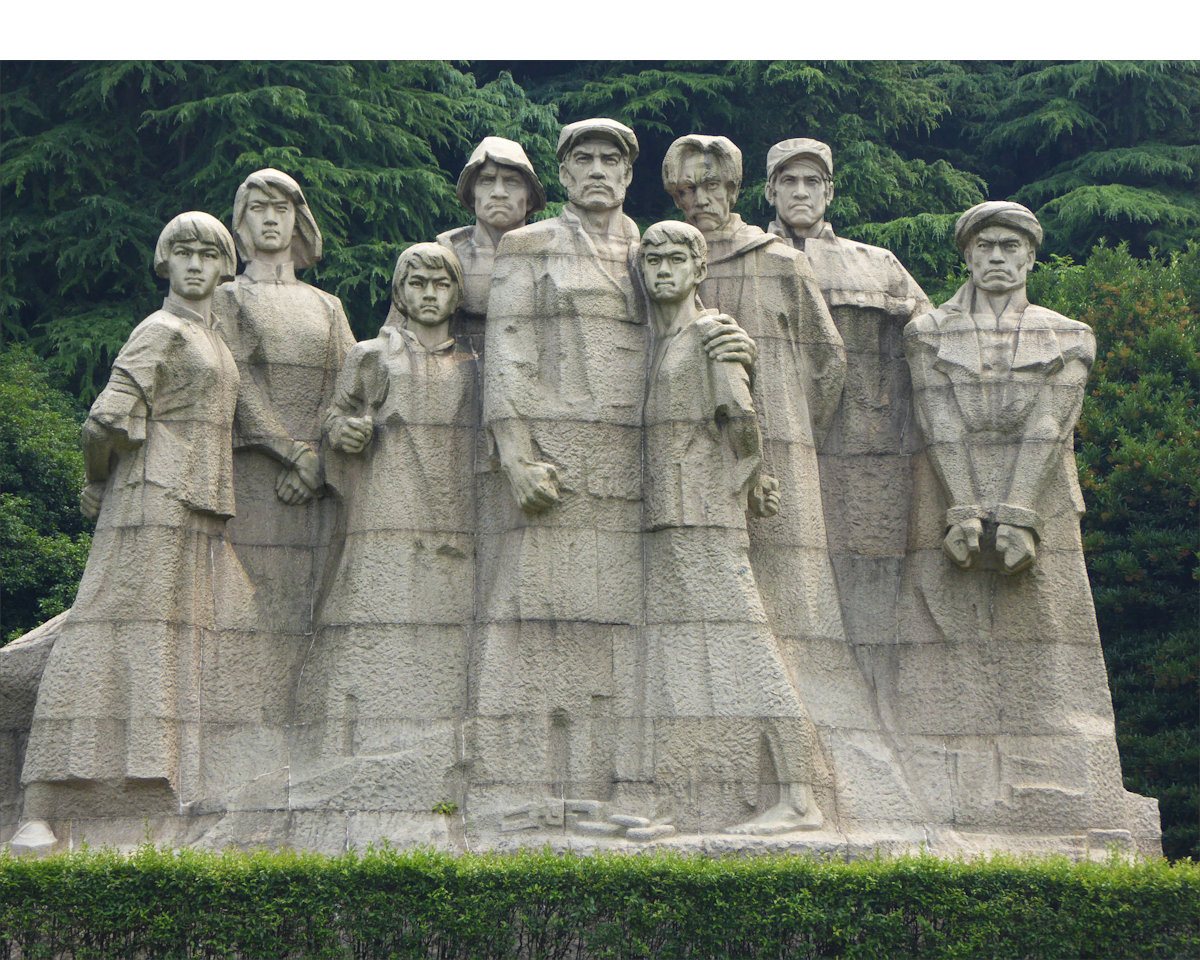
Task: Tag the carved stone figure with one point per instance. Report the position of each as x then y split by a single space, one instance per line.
865 458
500 186
289 340
1002 632
127 699
729 734
769 287
383 690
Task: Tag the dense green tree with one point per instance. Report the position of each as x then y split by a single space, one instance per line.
44 539
1138 454
98 156
1097 148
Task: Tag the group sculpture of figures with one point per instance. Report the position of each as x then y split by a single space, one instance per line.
711 531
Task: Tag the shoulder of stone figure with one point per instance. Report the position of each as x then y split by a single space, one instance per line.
533 238
923 325
452 238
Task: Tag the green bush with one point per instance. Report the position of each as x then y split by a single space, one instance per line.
163 904
44 539
1138 453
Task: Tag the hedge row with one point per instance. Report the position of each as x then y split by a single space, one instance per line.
165 904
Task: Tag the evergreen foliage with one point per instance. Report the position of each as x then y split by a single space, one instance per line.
1138 454
422 904
44 539
98 156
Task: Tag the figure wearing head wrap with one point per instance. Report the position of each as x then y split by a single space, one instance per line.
161 585
499 185
289 340
995 597
390 648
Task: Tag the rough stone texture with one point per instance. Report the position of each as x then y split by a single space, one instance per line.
605 628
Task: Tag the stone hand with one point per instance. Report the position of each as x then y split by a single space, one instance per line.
352 434
764 497
730 343
534 484
299 482
89 500
1016 546
962 542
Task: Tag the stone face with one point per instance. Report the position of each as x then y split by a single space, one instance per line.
718 540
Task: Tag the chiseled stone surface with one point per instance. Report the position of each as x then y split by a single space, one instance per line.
597 591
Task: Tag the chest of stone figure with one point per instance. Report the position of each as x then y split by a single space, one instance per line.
436 389
198 381
286 324
592 343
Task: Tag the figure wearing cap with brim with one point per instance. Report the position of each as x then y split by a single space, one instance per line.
499 185
865 458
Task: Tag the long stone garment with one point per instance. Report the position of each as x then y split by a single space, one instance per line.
769 289
560 592
865 459
134 684
383 689
289 340
726 727
999 694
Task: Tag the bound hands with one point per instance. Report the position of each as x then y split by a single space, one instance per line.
299 482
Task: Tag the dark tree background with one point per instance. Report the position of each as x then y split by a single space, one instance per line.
95 157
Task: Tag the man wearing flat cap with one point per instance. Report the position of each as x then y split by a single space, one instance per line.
995 590
499 185
560 562
865 459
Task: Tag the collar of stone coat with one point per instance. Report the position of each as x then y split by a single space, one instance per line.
741 237
261 272
1036 343
179 308
777 229
399 335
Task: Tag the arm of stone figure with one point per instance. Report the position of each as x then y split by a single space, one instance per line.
348 424
945 435
1046 441
735 414
511 361
116 422
255 425
822 349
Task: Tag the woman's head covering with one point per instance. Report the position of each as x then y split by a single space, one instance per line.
306 236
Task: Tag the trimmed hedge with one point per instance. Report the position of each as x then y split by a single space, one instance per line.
176 904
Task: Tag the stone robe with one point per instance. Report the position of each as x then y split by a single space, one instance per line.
384 685
865 459
475 251
560 592
134 695
716 687
770 289
999 694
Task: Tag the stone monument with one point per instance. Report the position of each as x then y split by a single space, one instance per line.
726 542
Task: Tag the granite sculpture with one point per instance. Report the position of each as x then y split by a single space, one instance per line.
865 457
500 186
383 687
725 727
125 702
769 287
1000 629
725 542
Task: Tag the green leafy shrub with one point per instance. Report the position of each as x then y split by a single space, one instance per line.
1138 452
44 539
421 904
